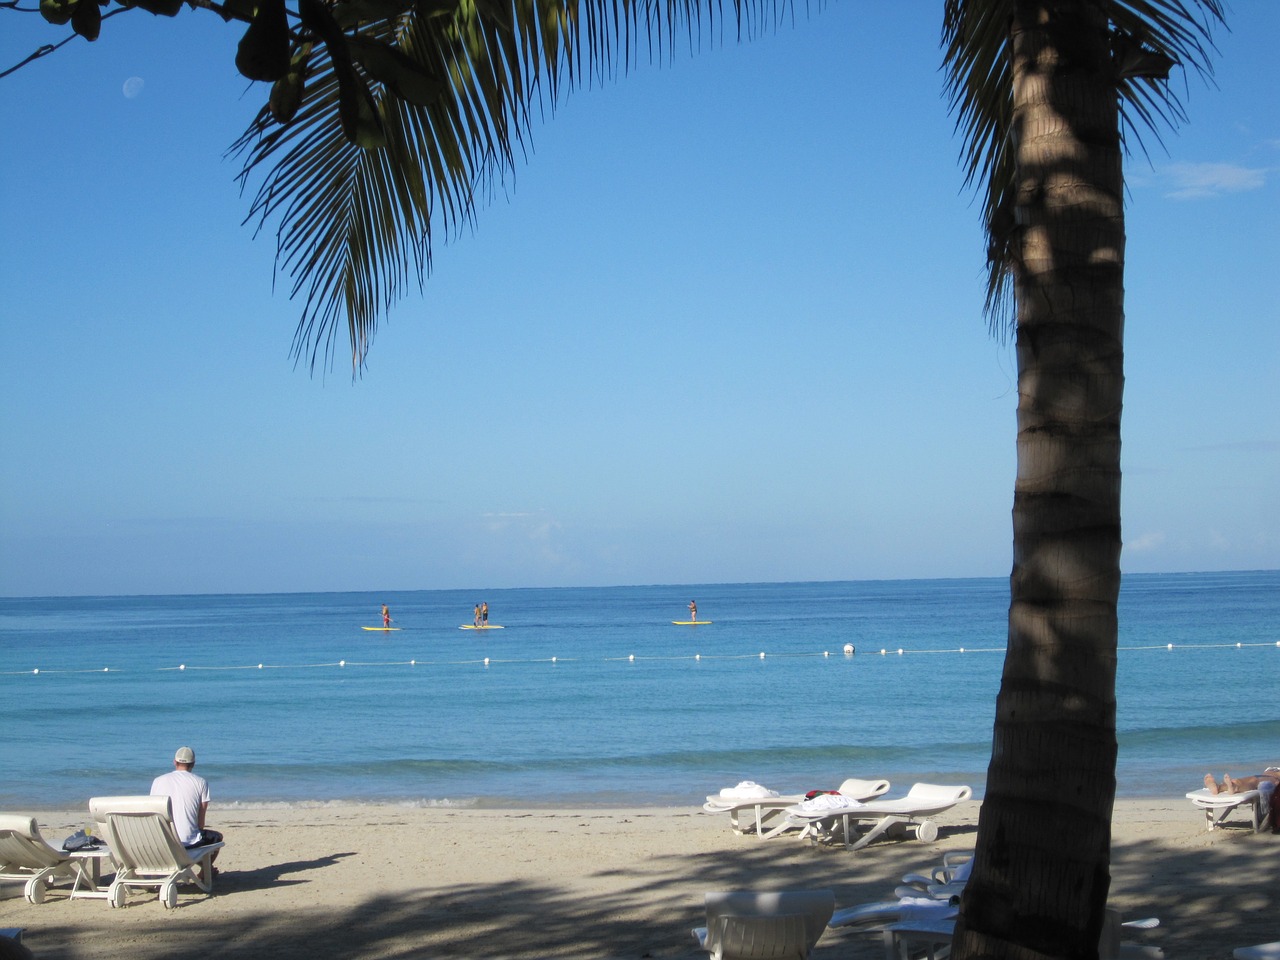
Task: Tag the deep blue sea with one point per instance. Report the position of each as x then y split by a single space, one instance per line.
591 696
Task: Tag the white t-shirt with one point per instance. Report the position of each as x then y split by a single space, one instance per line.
187 793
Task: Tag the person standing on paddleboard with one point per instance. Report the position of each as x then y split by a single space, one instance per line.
484 614
693 611
386 616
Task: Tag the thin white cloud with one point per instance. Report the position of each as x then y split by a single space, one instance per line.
1193 181
1144 543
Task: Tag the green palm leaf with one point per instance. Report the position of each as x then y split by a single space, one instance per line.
452 87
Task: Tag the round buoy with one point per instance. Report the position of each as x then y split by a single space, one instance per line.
848 649
486 661
182 666
761 654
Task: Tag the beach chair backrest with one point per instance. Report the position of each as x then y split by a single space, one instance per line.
140 832
22 847
766 926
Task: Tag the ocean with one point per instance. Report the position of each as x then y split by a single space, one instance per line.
593 697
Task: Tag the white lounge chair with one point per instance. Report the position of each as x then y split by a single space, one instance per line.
146 849
764 926
929 938
946 881
1216 806
764 804
27 856
818 818
878 915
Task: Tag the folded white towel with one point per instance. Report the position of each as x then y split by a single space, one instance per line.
747 790
826 802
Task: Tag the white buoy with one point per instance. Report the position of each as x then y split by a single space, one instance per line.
413 663
899 651
962 649
1238 646
36 670
697 656
260 665
486 661
1170 647
848 649
632 658
182 666
553 659
883 651
341 663
761 654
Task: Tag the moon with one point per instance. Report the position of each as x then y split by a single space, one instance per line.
133 87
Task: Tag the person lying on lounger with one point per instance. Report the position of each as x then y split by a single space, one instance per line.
1232 784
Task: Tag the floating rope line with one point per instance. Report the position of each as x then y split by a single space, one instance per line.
847 653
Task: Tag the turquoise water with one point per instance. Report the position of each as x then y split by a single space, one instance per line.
592 696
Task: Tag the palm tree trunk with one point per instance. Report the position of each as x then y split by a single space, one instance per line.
1041 873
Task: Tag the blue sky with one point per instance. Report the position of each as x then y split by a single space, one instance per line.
724 325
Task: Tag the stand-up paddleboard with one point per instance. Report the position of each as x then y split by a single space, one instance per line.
691 623
483 626
380 629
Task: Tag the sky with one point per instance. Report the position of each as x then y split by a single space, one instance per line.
724 324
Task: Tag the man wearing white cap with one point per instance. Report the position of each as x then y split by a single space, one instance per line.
189 796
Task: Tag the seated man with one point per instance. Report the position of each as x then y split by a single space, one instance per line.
189 797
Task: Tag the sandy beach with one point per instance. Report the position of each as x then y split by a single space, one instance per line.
398 882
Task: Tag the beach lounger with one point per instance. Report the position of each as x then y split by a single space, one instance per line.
27 856
1217 806
764 926
763 804
929 938
146 849
945 882
818 818
879 914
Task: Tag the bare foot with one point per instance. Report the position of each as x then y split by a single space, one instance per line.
1228 785
1210 784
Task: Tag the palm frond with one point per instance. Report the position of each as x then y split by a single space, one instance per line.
354 226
